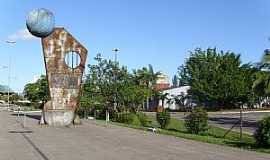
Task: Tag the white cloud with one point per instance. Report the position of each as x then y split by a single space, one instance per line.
22 34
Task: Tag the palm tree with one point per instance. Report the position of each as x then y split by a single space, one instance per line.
153 77
164 97
148 78
152 81
262 83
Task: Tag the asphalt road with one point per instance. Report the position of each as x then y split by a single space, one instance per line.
95 141
227 120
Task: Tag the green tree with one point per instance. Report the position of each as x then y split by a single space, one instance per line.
148 78
38 91
261 84
217 78
197 121
162 97
163 118
266 57
105 80
183 76
175 81
98 89
262 134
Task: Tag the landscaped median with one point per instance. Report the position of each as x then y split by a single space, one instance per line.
214 135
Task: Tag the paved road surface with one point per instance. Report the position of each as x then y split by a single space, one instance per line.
227 120
93 141
250 120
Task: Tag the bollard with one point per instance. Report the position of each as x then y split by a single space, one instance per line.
24 119
107 117
18 114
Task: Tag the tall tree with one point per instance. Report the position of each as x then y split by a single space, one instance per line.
262 83
100 86
148 78
175 81
217 78
37 91
183 76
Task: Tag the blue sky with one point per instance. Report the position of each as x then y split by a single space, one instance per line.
160 32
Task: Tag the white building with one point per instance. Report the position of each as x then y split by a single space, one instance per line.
172 94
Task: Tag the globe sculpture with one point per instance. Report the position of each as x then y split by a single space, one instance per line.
40 22
64 80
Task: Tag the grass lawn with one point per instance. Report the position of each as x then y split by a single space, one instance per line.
214 135
31 108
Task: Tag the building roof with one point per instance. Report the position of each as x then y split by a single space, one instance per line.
162 79
176 91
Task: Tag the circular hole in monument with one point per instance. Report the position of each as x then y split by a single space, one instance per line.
72 59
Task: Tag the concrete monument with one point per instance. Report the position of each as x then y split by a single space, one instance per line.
64 59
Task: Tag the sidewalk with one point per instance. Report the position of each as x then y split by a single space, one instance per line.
94 141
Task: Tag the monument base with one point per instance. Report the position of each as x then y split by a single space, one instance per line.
59 118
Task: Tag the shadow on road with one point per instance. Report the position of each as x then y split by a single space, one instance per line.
20 131
37 117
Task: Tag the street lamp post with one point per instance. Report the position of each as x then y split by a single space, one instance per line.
115 50
9 72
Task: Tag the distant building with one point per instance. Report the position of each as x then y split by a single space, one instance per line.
176 98
162 82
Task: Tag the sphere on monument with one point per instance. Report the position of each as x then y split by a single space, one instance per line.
40 22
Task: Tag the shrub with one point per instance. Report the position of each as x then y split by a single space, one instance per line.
144 120
134 120
197 121
101 114
121 117
163 118
262 134
128 118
